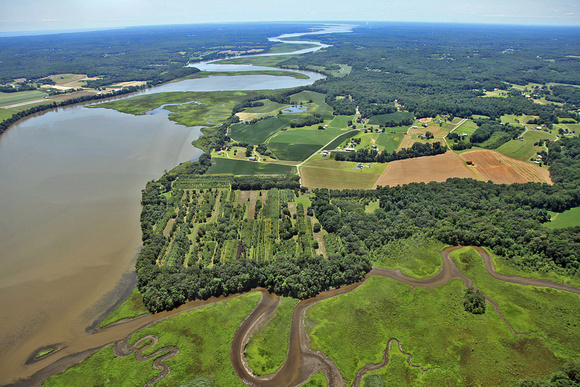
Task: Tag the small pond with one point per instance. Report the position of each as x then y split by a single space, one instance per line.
295 109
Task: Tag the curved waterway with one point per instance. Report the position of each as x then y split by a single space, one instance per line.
70 188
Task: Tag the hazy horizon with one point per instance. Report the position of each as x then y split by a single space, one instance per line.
23 17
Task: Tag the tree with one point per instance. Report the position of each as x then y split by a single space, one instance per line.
474 301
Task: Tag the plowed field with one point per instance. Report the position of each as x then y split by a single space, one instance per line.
491 165
424 169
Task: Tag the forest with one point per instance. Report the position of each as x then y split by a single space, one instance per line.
216 247
445 69
129 54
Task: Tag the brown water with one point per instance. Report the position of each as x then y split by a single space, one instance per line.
70 187
70 183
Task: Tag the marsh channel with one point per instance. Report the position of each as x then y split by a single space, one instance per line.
70 183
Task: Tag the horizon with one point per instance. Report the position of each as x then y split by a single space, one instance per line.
26 17
25 33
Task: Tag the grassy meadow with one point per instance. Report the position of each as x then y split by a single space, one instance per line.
213 106
417 257
202 335
382 118
7 99
131 307
267 349
458 348
569 218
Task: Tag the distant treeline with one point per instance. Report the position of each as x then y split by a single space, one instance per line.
130 54
445 69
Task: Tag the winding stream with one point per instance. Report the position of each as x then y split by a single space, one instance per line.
302 362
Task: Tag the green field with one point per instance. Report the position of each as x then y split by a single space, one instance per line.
387 141
569 218
7 99
270 107
458 348
256 133
267 348
417 257
342 138
298 144
129 308
524 150
340 122
6 113
382 118
243 167
321 172
202 335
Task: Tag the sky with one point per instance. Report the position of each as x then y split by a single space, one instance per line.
42 15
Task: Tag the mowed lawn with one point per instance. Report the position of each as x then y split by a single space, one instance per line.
524 150
332 174
243 167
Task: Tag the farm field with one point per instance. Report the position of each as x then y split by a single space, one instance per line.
491 165
8 100
382 118
256 133
524 150
298 144
244 167
322 173
424 169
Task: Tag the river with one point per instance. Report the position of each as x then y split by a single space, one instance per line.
70 184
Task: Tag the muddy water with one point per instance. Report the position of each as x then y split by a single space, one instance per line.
70 183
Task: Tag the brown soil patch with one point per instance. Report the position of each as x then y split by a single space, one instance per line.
491 165
408 141
425 120
130 83
437 131
243 197
246 116
424 169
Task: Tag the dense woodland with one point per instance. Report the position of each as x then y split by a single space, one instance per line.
129 54
443 69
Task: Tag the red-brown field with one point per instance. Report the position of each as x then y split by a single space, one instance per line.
424 169
486 165
491 165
